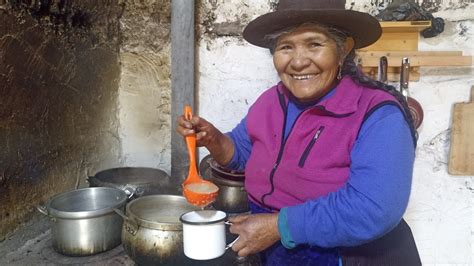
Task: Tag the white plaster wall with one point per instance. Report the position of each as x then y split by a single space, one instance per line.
145 84
231 74
144 110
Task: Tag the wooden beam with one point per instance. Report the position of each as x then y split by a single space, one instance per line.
182 78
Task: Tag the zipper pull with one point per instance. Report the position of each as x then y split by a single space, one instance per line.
316 136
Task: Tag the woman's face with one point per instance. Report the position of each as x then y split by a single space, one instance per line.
307 61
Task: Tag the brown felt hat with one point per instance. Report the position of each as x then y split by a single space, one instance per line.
362 27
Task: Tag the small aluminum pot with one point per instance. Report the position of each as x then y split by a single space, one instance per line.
204 234
83 221
232 197
152 233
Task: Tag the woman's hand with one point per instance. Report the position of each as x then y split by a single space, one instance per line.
256 232
219 145
206 133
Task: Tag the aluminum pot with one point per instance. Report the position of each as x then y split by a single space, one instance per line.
232 197
83 221
152 233
135 181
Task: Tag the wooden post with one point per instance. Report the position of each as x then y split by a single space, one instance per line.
182 79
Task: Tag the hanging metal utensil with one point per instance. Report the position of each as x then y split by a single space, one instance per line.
414 106
382 70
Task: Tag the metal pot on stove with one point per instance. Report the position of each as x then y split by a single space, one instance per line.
135 181
83 221
152 233
232 197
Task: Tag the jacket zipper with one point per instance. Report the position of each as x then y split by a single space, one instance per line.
282 147
310 146
280 152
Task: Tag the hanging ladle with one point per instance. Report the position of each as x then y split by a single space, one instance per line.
197 191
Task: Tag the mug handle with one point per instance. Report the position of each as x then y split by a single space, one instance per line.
231 243
235 240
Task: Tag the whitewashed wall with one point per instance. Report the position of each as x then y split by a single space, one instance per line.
231 74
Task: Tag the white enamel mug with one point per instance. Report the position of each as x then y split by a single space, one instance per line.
204 236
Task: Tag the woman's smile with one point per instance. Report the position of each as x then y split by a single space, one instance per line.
303 77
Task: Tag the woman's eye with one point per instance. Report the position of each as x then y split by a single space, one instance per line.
284 47
314 44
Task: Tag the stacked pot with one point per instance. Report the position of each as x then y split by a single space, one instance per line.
232 197
152 233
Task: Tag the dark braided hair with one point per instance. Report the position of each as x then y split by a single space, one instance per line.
350 68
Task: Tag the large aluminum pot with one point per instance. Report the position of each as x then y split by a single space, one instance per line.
135 181
152 233
83 221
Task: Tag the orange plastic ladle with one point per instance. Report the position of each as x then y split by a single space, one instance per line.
197 191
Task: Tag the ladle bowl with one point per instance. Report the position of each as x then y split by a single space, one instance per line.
200 193
197 191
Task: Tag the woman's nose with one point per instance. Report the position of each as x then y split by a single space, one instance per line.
300 60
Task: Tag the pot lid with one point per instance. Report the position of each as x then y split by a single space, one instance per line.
132 175
86 203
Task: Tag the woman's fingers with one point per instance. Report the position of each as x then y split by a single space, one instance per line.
203 129
238 218
256 232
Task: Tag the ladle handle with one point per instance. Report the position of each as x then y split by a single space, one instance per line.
191 145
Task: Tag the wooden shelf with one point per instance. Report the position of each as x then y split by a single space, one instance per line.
400 39
417 59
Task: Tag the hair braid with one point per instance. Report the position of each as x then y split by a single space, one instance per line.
351 69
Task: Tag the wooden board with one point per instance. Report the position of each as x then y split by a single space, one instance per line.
461 155
378 54
399 36
367 60
393 73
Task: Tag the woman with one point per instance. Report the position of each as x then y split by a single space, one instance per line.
328 153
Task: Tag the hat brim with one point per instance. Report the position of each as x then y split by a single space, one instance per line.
362 27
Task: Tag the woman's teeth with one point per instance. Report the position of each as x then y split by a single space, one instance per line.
301 77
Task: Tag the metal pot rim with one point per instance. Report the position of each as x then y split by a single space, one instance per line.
55 213
160 225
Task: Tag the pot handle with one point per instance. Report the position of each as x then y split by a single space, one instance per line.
129 224
130 192
42 209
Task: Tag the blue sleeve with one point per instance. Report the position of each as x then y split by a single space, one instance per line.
242 146
373 200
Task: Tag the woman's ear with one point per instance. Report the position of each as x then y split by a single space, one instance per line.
348 46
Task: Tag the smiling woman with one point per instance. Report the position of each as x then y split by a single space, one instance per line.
307 60
328 153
